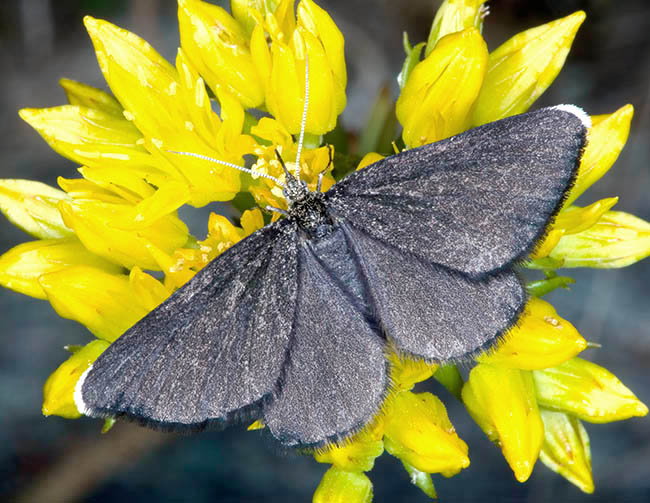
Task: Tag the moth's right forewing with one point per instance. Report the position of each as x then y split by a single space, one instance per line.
476 202
215 348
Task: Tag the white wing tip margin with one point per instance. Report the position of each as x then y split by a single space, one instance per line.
577 111
78 399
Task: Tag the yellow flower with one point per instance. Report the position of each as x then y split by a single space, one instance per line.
314 36
59 388
566 449
502 401
340 486
521 69
588 391
541 339
440 92
216 44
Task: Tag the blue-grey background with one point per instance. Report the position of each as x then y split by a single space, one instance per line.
52 459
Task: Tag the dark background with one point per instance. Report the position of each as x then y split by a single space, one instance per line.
52 459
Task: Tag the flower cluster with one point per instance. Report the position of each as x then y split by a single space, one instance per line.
101 236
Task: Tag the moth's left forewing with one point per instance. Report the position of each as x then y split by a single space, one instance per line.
214 350
477 202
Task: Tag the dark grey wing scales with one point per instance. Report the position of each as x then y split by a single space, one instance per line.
214 348
476 202
335 378
431 311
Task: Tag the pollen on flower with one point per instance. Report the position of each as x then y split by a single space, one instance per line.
189 125
171 90
128 115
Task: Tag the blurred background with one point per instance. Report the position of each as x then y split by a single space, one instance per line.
52 459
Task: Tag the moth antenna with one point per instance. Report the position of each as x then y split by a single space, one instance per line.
278 210
322 173
229 164
304 115
284 167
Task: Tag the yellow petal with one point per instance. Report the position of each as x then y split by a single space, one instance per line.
141 79
131 183
319 23
587 391
607 138
164 201
521 69
405 371
454 16
574 219
58 392
88 136
90 97
103 302
552 238
32 206
148 290
357 455
340 486
261 54
241 11
502 402
617 240
217 46
566 449
92 221
541 339
22 266
418 431
368 159
440 92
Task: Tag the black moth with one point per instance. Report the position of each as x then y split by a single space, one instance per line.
291 325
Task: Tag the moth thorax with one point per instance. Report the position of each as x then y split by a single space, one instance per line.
310 213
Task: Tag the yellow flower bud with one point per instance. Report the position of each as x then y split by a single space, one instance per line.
521 69
58 392
574 219
102 302
340 486
453 16
502 402
93 222
587 391
89 136
217 46
541 339
22 266
87 96
618 239
418 431
566 449
32 206
440 91
368 159
242 12
319 23
607 138
316 37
